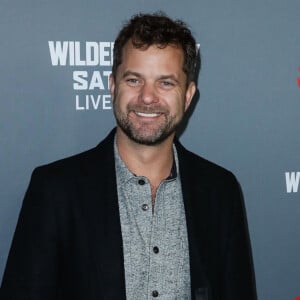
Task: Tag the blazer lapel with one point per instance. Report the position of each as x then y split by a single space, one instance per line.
194 196
103 217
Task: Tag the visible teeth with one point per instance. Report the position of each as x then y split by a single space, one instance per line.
152 115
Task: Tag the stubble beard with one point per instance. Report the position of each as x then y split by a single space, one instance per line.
142 133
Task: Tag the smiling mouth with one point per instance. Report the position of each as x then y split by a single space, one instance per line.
147 115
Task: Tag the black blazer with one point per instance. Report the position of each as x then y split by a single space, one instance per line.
68 244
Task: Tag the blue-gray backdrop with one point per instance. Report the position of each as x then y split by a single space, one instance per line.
55 59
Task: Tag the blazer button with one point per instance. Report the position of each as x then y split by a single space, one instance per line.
155 294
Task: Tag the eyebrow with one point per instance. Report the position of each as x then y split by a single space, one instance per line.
131 73
162 77
171 76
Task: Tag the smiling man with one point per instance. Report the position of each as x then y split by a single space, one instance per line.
139 216
151 93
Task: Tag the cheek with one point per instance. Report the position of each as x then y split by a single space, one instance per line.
177 104
123 97
129 92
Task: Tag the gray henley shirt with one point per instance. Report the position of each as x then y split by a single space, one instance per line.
155 242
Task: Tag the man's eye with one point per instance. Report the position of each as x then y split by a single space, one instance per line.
167 83
132 81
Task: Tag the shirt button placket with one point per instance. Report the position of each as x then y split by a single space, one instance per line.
145 206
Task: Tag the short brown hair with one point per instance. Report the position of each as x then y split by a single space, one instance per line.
145 30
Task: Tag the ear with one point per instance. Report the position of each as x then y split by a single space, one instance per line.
112 86
189 94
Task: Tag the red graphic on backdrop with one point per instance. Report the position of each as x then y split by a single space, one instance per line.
297 298
298 80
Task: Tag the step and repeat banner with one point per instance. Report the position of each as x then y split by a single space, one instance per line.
56 58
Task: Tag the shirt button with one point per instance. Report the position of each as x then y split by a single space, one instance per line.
141 182
155 294
155 250
145 207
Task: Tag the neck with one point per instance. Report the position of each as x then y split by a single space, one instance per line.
153 162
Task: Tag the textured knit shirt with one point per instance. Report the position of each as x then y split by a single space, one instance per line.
155 242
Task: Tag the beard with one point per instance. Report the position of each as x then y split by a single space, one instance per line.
143 132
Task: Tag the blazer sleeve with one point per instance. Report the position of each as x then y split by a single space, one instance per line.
32 265
238 275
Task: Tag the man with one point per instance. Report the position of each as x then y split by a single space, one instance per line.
139 216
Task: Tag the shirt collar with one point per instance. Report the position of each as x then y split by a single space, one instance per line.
124 174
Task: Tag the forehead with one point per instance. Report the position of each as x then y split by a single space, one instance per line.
169 57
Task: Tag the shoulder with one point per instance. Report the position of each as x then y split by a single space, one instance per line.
80 164
209 173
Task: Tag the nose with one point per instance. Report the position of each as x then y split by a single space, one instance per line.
148 93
